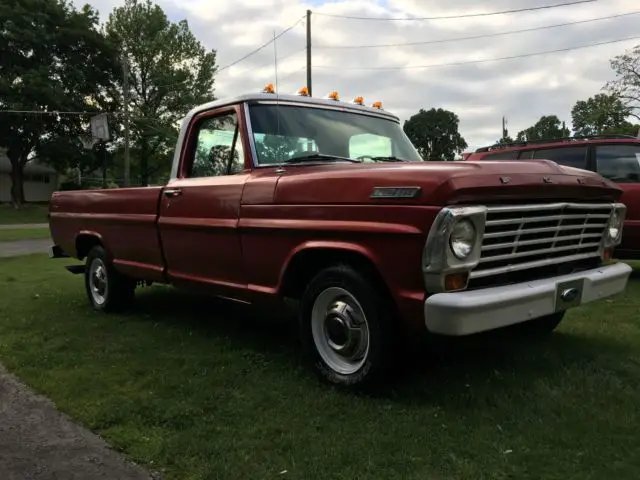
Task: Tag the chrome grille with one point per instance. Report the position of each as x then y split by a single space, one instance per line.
520 237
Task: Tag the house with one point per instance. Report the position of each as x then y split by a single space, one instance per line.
40 181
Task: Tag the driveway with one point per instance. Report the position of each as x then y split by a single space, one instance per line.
37 442
24 247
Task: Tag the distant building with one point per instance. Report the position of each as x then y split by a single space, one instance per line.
40 181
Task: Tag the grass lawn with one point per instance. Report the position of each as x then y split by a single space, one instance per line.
15 234
200 390
29 213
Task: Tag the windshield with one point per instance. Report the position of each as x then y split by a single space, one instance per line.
283 132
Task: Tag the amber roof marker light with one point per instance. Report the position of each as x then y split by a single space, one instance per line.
333 96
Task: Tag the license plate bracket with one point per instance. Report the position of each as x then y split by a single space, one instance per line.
569 294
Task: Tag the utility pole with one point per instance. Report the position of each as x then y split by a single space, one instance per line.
125 94
505 133
309 52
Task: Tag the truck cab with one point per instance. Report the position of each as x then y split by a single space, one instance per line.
327 202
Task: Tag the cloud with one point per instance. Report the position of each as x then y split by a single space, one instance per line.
522 89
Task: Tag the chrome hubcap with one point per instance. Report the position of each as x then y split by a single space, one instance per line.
98 282
340 330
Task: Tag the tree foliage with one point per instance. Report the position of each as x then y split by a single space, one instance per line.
548 126
600 114
435 134
626 86
170 72
276 149
54 59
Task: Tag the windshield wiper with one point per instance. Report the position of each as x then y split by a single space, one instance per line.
384 159
312 157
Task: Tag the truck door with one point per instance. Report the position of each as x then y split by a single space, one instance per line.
199 209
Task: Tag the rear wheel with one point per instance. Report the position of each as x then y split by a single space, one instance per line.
346 327
107 289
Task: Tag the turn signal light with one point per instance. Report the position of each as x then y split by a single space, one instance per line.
455 281
303 91
333 96
377 104
607 255
269 88
358 101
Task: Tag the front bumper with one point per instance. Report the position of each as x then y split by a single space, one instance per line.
464 313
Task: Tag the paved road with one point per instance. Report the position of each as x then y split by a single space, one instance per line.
24 247
39 443
24 225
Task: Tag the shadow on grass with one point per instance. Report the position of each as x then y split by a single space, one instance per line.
424 372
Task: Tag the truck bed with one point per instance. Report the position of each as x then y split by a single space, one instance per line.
125 219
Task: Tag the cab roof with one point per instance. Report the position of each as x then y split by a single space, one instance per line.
291 99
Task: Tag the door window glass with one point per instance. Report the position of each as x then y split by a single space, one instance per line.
218 147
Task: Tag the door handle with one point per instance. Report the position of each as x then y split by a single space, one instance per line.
172 192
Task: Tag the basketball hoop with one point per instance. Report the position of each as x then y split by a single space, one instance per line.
88 141
100 127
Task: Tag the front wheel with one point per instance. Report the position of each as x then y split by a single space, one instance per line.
107 289
346 327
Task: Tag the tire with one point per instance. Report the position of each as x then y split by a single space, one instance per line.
360 356
107 289
540 328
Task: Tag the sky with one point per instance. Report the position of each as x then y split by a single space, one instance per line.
521 89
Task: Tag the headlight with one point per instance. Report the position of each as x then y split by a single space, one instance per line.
462 239
615 226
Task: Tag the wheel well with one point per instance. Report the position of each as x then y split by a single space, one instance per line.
84 244
306 264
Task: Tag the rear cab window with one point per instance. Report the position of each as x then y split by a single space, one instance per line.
512 155
574 156
619 163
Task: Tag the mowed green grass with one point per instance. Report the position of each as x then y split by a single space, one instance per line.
17 234
29 213
200 389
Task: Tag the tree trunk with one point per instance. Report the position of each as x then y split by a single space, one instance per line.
17 183
144 161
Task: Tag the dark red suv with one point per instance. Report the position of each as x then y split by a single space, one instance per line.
616 157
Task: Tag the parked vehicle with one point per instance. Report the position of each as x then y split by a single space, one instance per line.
616 157
288 196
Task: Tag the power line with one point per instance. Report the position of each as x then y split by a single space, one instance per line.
469 15
475 37
469 62
54 112
253 52
280 59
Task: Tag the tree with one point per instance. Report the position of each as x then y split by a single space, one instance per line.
626 86
54 59
276 149
505 141
599 115
170 72
435 134
548 126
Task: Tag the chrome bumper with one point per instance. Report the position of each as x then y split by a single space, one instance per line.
464 313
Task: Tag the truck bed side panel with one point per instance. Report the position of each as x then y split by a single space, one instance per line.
125 221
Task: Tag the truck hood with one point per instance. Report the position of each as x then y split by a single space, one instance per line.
442 183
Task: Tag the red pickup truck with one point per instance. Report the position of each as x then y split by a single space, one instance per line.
287 196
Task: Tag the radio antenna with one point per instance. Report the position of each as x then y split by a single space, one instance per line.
275 65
